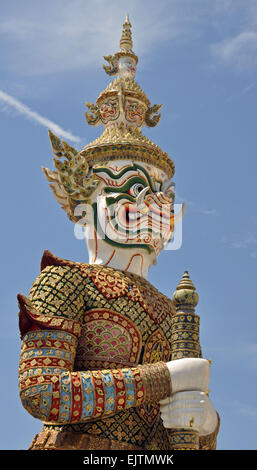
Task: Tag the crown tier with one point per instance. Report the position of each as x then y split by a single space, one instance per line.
118 143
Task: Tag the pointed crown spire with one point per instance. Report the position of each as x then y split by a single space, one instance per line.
126 43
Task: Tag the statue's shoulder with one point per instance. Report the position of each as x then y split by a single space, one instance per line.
50 260
56 296
53 266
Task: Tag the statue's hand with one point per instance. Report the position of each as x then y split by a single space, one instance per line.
192 409
189 374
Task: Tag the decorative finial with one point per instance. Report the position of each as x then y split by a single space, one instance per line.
125 60
126 43
185 295
185 282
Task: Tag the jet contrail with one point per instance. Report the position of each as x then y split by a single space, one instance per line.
26 111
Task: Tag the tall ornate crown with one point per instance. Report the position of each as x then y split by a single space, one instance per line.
123 109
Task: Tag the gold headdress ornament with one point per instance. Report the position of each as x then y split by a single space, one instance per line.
124 86
123 108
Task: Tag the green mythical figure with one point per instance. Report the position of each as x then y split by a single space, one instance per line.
97 361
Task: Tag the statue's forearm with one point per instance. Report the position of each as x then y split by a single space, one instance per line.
51 391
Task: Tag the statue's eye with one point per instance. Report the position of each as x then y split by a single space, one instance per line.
136 189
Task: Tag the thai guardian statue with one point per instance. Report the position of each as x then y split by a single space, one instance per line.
107 361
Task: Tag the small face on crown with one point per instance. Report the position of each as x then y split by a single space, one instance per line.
130 113
126 67
109 110
134 112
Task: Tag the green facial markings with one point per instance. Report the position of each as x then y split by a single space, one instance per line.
134 167
129 187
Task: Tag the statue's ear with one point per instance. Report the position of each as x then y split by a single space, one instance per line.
73 182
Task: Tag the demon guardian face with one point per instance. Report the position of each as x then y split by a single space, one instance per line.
133 206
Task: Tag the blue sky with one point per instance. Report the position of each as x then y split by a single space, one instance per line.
199 59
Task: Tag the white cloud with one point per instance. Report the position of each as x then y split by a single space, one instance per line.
75 35
239 51
236 22
8 101
58 36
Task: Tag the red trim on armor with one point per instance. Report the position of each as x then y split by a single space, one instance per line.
98 382
55 403
76 398
120 390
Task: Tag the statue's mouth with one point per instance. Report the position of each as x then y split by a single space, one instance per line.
131 214
156 221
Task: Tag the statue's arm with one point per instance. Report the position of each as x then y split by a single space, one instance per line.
50 389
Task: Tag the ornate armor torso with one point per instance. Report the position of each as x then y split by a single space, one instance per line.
124 321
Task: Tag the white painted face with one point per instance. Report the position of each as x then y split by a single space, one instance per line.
126 67
133 207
